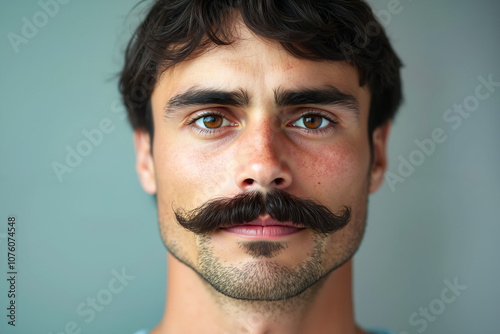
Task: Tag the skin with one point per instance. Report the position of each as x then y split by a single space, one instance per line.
259 147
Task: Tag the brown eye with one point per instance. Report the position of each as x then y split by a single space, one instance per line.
313 121
213 121
210 123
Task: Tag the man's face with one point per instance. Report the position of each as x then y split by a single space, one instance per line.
268 138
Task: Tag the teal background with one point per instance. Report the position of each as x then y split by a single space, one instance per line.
441 223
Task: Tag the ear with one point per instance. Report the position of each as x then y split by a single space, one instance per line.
379 164
144 161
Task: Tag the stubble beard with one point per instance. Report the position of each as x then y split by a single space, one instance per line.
265 280
260 279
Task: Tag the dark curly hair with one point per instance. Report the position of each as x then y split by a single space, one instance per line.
336 30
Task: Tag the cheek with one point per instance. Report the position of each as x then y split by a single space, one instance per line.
189 176
339 170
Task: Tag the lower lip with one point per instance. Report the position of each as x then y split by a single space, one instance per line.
260 232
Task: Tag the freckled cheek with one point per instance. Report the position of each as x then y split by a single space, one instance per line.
335 167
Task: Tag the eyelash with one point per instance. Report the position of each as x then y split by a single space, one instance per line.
205 114
202 131
320 131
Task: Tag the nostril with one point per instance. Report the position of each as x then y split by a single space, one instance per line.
249 181
278 181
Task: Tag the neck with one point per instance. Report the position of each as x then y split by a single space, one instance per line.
193 306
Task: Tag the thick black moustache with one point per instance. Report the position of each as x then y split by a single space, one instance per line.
246 207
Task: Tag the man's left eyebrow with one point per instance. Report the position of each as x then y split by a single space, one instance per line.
195 96
328 95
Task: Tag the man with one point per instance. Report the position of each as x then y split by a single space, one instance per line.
261 127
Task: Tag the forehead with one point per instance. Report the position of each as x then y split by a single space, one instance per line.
259 66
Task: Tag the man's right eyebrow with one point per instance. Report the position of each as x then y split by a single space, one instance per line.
327 95
204 96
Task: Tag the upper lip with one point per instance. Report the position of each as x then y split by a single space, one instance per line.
265 220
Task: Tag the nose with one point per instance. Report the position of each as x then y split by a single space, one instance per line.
262 160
